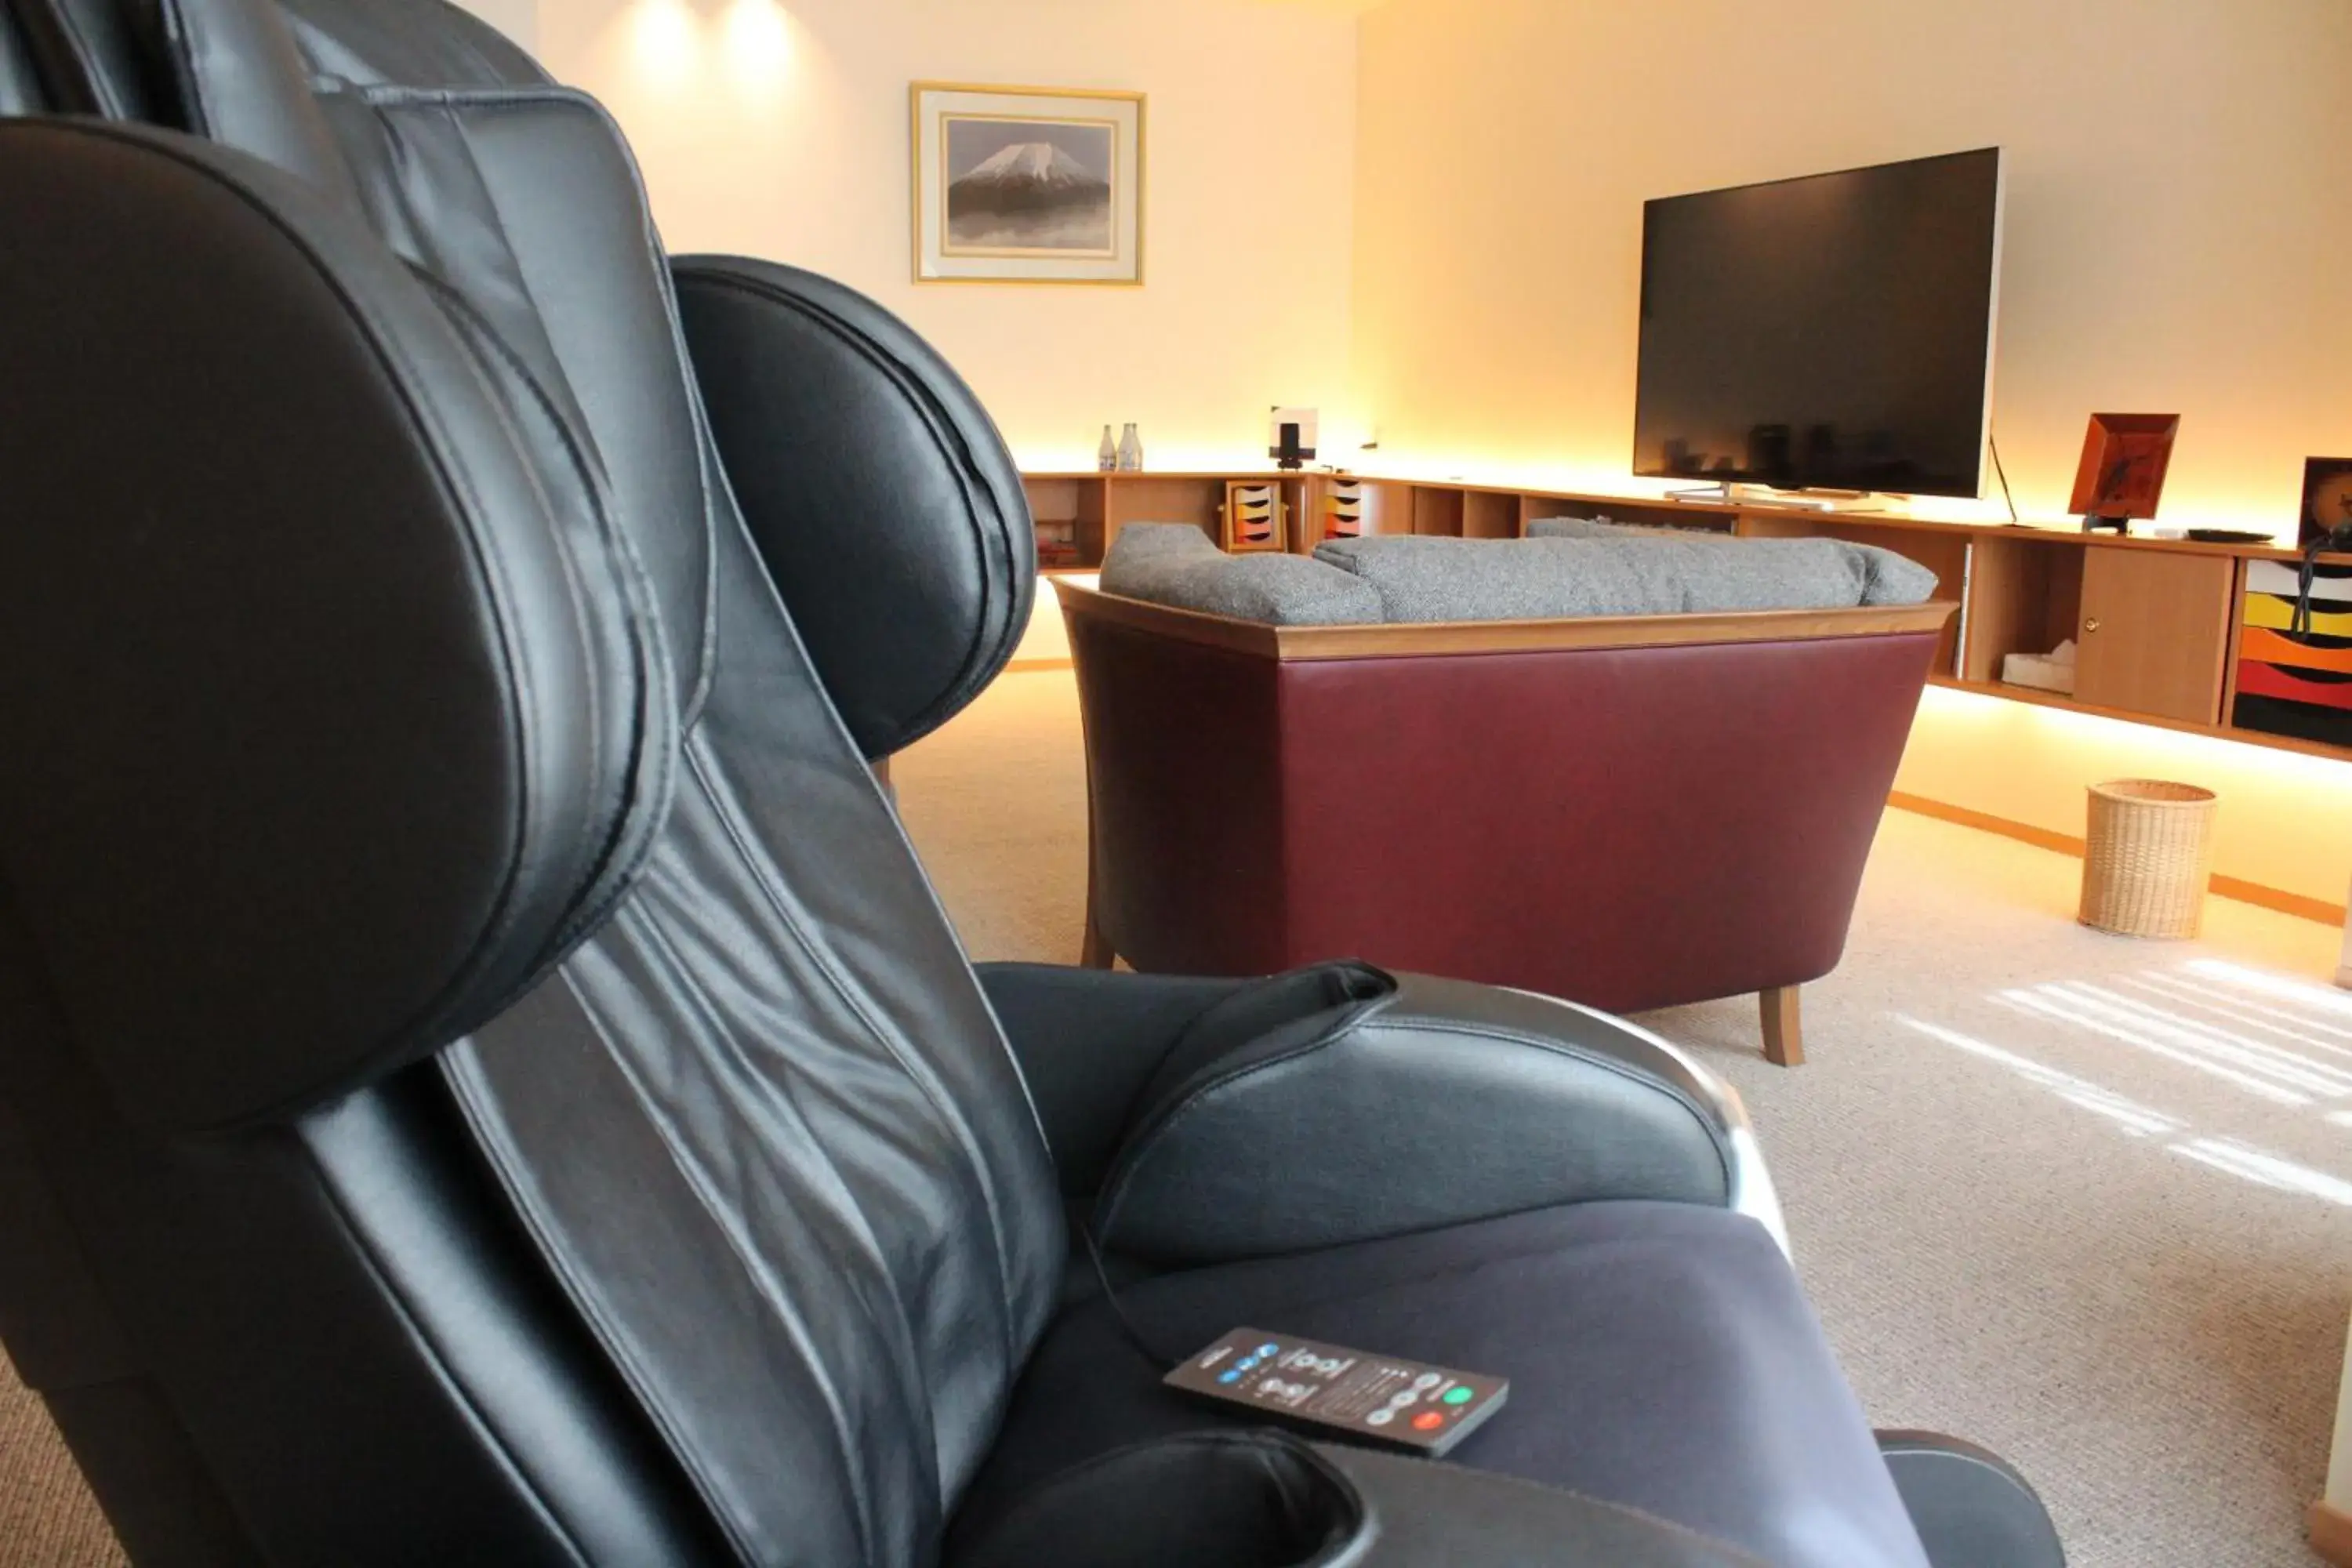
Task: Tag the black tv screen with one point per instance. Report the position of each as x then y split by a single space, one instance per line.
1832 332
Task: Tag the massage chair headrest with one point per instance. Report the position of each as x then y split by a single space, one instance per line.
878 492
340 675
891 517
327 719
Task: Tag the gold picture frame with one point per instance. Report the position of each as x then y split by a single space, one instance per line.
1027 185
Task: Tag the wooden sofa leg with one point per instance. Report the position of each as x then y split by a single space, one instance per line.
1784 1033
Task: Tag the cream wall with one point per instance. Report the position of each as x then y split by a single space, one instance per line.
2177 233
2177 239
779 128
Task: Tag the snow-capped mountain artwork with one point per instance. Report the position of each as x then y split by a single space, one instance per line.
1016 187
1032 165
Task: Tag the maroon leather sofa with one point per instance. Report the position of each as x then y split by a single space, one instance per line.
1627 812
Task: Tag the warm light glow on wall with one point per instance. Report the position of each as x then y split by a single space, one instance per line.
664 42
1997 719
2285 821
1182 458
755 45
675 48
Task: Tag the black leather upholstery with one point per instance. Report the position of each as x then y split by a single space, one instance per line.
232 68
1261 1500
1661 1356
485 1077
1087 1048
1241 1499
1173 1105
875 485
20 85
97 56
322 735
774 1051
1404 1105
1970 1505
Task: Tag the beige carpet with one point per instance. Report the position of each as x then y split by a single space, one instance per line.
2082 1199
47 1515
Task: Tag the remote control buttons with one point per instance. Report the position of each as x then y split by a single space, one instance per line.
1379 1417
1457 1395
1427 1380
1428 1421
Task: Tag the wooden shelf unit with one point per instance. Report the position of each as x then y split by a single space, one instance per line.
1100 504
2155 621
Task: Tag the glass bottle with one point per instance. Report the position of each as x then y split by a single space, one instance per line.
1108 458
1131 451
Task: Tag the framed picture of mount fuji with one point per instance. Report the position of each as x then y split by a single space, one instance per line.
1027 185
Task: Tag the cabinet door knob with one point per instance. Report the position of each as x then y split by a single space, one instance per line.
2091 625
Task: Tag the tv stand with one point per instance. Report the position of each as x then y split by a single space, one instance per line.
1733 493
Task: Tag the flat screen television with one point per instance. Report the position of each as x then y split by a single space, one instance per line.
1829 332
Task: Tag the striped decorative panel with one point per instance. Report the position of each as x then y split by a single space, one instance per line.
1252 517
2290 684
1346 506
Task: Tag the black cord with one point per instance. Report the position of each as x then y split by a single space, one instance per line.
2336 539
2299 628
1135 1336
1997 469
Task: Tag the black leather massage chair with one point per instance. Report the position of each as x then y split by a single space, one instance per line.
483 1078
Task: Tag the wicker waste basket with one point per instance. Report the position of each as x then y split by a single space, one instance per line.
2149 859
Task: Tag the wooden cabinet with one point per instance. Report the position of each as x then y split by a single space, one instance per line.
2155 633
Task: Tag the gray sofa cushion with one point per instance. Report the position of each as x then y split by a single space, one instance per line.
1887 578
1426 579
1175 563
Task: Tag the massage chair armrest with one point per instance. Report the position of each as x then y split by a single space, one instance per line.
1420 1513
1342 1104
1969 1505
1088 1041
1259 1498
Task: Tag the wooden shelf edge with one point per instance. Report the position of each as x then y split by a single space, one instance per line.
1295 643
1393 639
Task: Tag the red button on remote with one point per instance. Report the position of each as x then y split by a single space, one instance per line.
1428 1421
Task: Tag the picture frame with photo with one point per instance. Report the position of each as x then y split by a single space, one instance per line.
1019 184
2326 501
2125 459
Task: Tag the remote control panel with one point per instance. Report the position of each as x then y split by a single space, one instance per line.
1372 1398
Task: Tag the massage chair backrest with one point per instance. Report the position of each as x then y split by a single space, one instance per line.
485 1074
878 492
116 60
21 91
